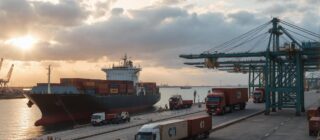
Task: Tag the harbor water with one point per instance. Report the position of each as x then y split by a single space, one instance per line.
18 120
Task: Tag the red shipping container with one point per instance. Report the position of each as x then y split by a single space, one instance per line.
314 126
233 95
199 125
313 112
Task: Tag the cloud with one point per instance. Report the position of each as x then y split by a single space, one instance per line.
117 11
65 13
15 17
246 18
154 34
171 2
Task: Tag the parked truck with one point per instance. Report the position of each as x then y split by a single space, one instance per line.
102 118
259 95
222 100
176 102
193 128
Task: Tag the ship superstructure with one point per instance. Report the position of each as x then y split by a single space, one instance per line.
125 71
75 99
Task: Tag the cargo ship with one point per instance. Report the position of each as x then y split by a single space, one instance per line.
76 99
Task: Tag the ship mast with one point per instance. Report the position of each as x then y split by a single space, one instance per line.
49 75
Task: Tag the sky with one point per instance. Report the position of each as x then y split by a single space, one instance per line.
79 37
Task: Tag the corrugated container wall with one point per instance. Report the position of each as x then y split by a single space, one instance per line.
234 95
174 131
198 125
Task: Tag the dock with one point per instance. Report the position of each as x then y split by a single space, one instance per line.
247 124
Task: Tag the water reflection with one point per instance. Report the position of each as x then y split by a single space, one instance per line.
17 120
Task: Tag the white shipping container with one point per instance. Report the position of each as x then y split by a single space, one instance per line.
174 130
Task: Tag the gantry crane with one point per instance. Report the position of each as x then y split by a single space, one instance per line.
312 80
6 80
274 57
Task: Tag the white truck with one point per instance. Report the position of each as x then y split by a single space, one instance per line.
102 118
193 128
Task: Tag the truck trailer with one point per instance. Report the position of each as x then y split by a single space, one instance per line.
176 102
190 128
102 118
222 100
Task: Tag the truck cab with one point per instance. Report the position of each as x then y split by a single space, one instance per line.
258 95
215 103
175 102
104 118
148 132
98 118
166 130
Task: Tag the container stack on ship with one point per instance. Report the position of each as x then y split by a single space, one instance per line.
75 99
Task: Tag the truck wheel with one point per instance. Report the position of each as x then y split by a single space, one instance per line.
223 111
206 135
242 106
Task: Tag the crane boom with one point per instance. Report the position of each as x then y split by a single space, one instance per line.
9 74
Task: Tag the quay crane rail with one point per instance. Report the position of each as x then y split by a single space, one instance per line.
280 69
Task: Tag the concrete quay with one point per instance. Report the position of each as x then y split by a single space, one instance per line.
128 130
279 125
90 131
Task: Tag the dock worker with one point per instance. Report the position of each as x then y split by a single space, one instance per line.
194 95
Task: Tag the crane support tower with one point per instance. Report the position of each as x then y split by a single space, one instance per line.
273 56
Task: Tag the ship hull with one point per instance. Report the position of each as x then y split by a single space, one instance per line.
59 108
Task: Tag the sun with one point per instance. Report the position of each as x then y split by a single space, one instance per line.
23 42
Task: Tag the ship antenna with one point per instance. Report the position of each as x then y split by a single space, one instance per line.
125 60
49 75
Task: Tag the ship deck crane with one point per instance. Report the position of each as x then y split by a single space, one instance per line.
279 69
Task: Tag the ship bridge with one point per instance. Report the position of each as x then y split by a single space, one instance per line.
124 72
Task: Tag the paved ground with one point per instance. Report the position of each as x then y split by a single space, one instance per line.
128 134
278 126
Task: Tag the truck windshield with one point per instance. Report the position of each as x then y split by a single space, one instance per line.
144 136
95 117
213 99
257 94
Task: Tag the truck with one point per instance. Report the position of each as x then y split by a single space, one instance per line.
259 95
176 102
102 118
190 128
223 100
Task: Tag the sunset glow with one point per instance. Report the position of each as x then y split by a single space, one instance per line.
23 43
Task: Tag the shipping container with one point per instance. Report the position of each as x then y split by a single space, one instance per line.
174 130
46 84
194 127
223 100
200 125
314 126
233 95
313 112
114 91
